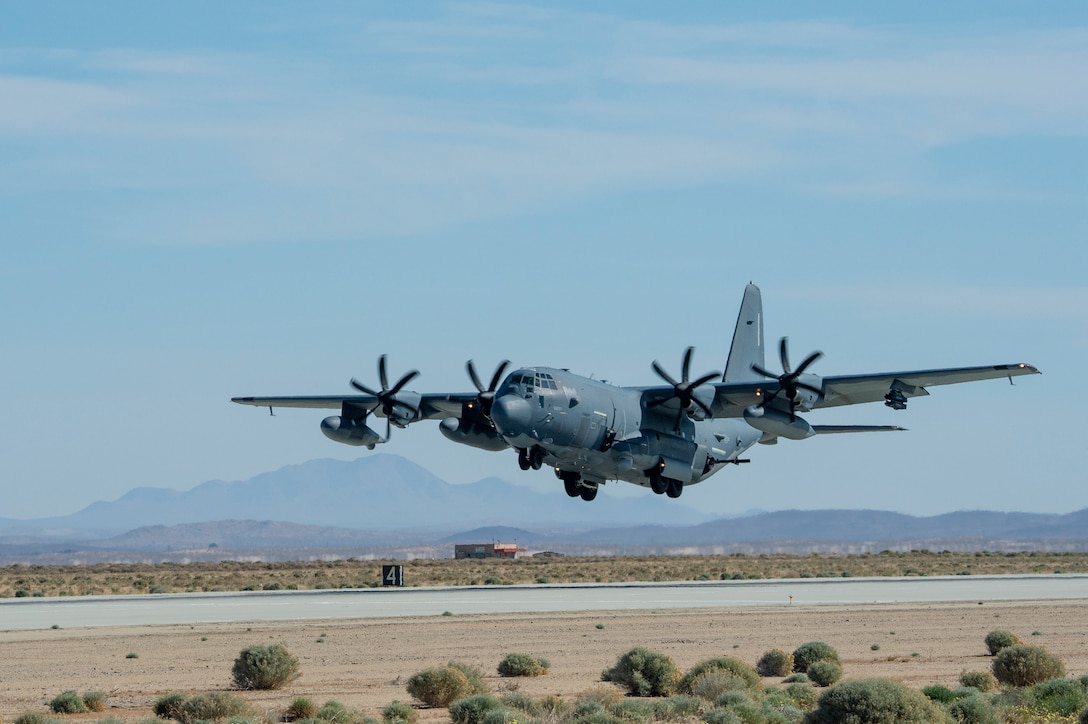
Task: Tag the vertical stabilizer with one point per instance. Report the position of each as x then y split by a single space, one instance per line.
747 347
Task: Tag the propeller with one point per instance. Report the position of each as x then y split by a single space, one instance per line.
788 381
684 390
487 395
387 396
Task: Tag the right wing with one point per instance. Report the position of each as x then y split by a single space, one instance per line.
435 406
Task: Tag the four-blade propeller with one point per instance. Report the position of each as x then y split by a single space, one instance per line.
788 381
684 390
487 394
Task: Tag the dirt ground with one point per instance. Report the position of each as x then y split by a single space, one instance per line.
364 663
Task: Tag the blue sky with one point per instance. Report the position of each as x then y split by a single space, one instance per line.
204 200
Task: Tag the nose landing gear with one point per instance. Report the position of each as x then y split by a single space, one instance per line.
531 458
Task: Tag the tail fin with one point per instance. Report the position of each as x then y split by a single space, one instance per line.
747 347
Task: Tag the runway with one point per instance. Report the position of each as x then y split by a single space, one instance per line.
192 608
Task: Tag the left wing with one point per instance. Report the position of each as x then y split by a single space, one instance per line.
434 406
730 399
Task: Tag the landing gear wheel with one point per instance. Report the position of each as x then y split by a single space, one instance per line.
536 457
523 459
658 484
573 486
674 489
588 492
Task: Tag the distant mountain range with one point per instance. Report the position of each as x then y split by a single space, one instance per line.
384 505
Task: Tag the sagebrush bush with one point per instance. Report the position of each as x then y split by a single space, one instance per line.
520 701
442 685
984 681
673 708
806 655
471 709
804 697
301 707
1062 697
167 706
1026 665
94 700
523 665
501 715
644 673
264 667
211 706
334 712
874 701
1000 639
710 685
397 712
973 710
719 715
824 672
775 662
68 702
34 717
734 667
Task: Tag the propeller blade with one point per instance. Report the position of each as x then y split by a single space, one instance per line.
663 374
471 368
784 354
686 370
808 360
704 379
408 377
363 388
810 388
766 373
497 377
381 373
702 405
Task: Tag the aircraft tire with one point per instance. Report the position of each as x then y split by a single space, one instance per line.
588 492
536 458
659 484
523 459
573 486
675 488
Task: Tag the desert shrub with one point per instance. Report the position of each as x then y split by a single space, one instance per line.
797 678
334 712
710 685
874 701
398 712
605 696
94 700
775 662
982 680
806 655
743 707
301 707
501 715
735 667
523 665
999 639
644 673
1082 720
442 685
1026 665
824 672
68 702
719 715
34 717
675 707
633 710
471 709
168 706
551 708
211 706
1063 697
939 693
264 667
973 710
804 696
521 702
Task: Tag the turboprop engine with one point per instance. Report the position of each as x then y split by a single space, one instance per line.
349 432
466 432
778 423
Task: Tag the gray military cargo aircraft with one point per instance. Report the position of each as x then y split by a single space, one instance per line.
663 437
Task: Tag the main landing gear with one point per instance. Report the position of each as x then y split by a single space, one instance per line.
531 458
575 486
662 485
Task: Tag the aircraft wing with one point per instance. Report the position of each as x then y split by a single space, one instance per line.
431 406
730 399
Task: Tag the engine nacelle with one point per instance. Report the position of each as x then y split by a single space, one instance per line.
344 430
778 423
467 433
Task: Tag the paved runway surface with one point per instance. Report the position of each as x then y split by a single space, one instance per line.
135 610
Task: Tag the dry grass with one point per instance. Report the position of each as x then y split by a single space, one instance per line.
98 579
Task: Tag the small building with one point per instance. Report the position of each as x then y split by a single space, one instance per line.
486 550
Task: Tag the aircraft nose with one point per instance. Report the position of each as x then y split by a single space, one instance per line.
511 414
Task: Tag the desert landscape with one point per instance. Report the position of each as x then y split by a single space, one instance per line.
364 664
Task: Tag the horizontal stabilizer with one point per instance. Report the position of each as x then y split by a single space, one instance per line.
836 429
